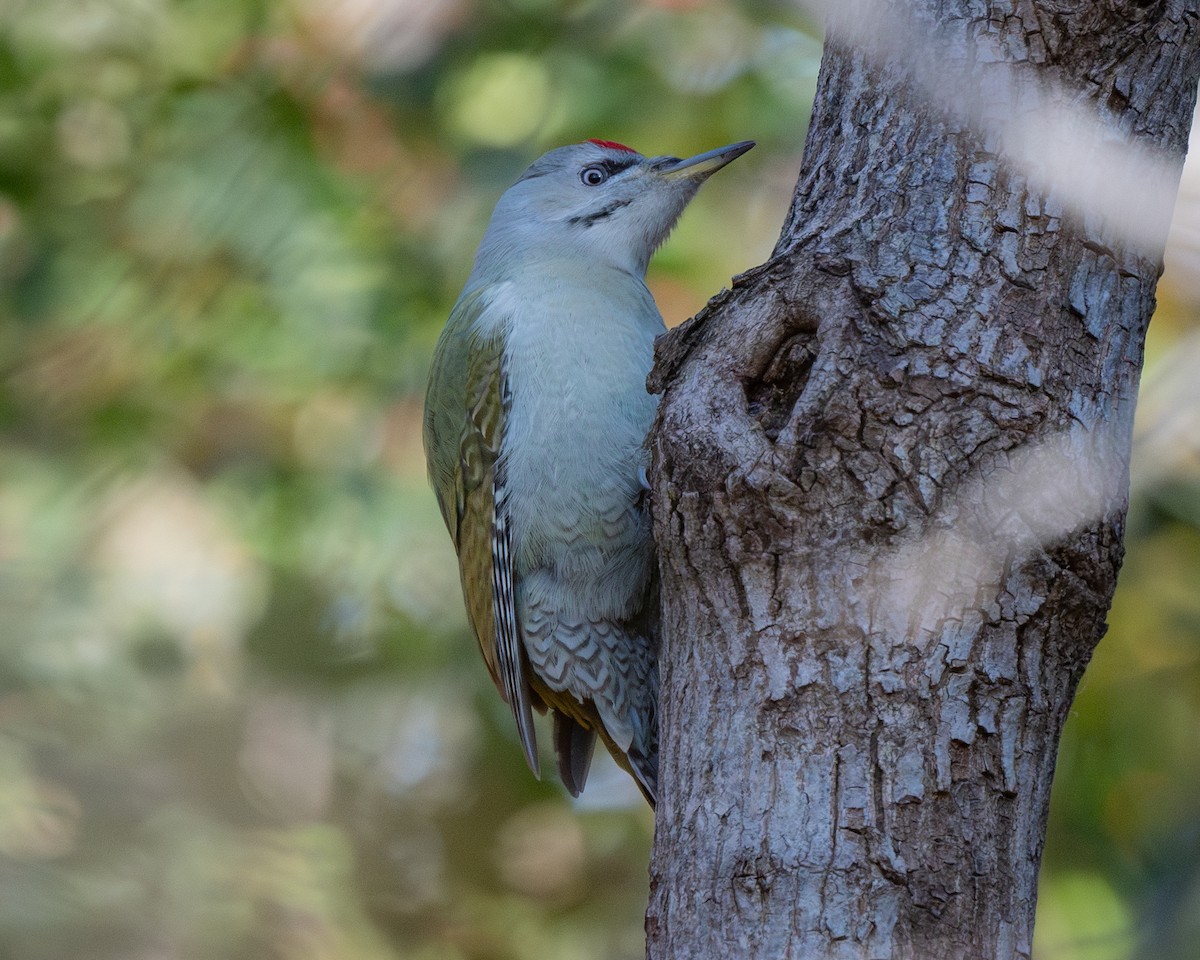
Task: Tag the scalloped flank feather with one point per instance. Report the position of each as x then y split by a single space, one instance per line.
611 145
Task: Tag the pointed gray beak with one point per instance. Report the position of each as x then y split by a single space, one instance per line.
701 165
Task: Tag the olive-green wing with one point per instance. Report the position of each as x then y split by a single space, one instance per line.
470 485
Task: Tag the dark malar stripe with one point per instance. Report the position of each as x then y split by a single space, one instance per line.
602 214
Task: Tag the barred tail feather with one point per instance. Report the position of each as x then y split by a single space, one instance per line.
645 773
640 761
643 752
573 746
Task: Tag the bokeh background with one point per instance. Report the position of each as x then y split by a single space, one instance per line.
241 715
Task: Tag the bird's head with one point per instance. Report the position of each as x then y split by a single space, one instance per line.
600 200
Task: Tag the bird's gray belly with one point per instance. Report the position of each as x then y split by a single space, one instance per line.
583 553
579 520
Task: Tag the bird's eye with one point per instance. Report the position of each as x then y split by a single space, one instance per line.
593 176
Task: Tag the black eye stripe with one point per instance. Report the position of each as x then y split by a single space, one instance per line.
616 166
612 167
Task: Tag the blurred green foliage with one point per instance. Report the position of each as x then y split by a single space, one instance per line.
240 712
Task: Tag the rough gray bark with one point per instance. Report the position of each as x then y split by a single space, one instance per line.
890 478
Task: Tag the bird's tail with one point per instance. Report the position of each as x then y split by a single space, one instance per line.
640 759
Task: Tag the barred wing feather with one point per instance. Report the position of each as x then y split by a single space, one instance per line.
471 493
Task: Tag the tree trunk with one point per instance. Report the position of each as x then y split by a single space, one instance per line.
890 480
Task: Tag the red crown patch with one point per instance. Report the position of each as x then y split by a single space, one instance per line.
611 145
